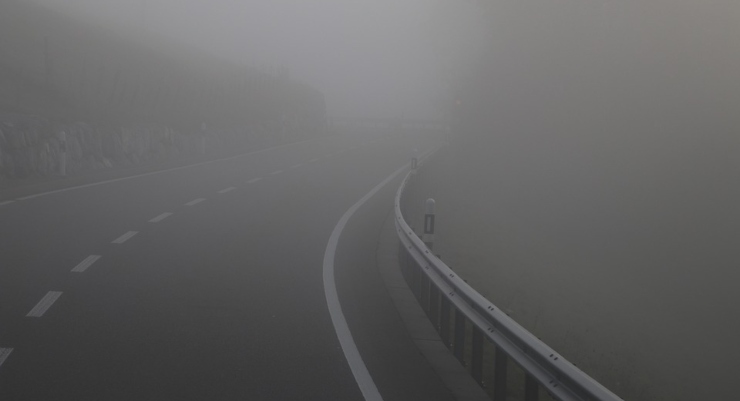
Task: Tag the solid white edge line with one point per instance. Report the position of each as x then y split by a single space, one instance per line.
253 180
85 264
44 304
92 184
4 354
195 202
160 217
359 370
225 190
7 202
123 238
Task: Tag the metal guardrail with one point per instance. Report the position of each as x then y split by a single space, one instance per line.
438 288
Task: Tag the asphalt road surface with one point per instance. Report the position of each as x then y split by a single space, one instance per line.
205 282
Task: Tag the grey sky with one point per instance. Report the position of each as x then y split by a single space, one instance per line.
391 57
369 57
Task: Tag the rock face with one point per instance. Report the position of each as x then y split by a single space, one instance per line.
124 100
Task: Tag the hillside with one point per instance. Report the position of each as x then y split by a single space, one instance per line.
54 65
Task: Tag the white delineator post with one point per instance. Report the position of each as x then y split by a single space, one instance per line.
428 236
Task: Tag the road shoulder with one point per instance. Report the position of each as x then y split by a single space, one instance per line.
394 359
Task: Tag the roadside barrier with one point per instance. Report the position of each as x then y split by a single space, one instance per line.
464 318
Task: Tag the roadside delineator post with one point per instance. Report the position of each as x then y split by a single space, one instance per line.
428 236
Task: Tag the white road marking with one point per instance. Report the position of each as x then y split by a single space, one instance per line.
160 217
313 160
3 203
82 266
195 201
276 172
92 184
124 237
44 304
4 354
296 165
359 370
253 180
229 189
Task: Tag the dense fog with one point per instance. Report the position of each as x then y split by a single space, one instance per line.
605 134
370 58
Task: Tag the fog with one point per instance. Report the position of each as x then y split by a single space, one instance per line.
605 134
370 58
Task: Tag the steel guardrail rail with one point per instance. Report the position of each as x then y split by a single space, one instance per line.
555 374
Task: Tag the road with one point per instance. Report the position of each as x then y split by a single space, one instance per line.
205 282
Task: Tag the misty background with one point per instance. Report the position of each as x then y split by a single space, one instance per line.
369 58
603 135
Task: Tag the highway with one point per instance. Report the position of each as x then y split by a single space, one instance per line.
206 282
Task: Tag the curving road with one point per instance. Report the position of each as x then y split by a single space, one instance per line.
205 282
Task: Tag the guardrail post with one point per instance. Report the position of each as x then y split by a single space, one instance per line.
429 217
444 320
415 282
531 388
476 363
499 375
424 298
403 256
434 306
459 347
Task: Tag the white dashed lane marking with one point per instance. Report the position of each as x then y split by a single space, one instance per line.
276 172
313 160
195 202
124 237
160 217
229 189
253 180
296 165
82 266
3 203
4 354
46 302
